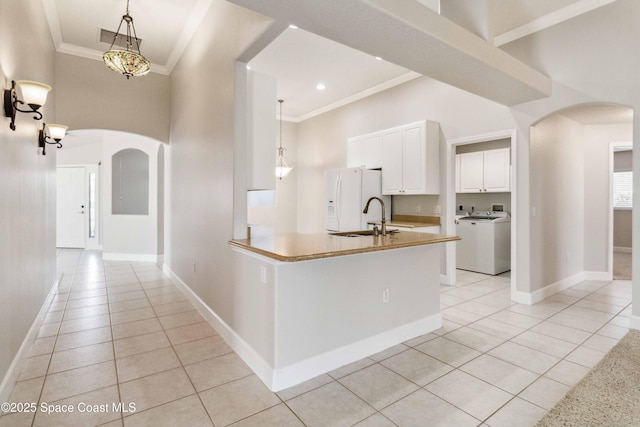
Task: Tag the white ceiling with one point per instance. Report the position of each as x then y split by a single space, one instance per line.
165 26
299 59
598 114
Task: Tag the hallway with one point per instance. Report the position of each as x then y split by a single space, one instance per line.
121 332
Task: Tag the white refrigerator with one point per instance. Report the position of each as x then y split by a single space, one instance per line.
347 192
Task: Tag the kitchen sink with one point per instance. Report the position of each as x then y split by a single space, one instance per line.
359 233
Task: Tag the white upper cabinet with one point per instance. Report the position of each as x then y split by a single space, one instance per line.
472 172
365 151
484 171
457 172
411 159
497 170
392 161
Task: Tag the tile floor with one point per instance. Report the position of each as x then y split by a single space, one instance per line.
122 332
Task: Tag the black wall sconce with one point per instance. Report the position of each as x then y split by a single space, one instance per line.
34 95
56 133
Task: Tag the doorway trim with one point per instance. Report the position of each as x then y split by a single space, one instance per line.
91 243
450 208
612 149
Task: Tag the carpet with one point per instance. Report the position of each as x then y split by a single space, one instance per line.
621 265
609 395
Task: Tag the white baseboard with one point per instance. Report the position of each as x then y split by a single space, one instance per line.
279 379
310 368
110 256
13 372
444 280
634 322
531 298
260 367
622 249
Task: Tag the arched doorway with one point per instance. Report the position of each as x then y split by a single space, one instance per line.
134 235
571 166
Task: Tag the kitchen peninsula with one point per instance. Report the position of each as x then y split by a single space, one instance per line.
311 303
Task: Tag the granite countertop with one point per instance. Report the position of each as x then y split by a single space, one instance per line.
291 247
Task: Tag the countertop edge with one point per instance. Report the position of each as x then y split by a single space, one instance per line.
322 255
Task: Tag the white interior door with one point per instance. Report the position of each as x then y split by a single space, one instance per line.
72 207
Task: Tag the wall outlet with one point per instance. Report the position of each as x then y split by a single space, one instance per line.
533 212
418 209
263 274
436 209
385 295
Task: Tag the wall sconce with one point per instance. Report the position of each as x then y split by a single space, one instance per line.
56 132
34 95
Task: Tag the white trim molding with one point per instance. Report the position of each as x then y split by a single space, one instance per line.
547 291
310 368
548 20
13 372
450 201
622 249
287 376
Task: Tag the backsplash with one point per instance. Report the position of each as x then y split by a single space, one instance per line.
483 202
416 205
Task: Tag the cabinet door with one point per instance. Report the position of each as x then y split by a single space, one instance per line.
365 151
392 161
355 152
497 170
414 159
457 173
472 172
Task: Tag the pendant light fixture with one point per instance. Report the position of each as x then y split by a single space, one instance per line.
282 168
129 62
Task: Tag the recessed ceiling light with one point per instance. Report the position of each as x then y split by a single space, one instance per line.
378 58
248 67
321 86
293 27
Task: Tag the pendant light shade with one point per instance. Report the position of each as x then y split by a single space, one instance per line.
128 62
282 168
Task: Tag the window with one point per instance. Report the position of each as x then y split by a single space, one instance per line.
622 190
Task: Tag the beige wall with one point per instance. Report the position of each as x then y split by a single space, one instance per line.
622 227
93 97
27 181
322 141
597 151
199 159
557 195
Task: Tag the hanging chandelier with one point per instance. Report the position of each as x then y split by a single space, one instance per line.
129 62
282 168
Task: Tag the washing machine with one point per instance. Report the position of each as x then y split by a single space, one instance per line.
486 242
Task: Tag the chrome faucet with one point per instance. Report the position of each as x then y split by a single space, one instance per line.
384 221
